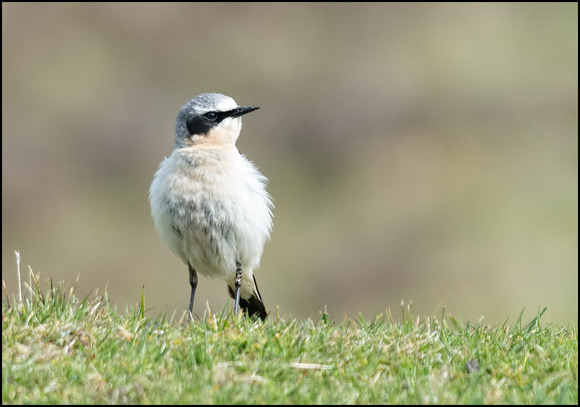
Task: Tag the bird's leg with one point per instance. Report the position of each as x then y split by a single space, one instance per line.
193 283
238 284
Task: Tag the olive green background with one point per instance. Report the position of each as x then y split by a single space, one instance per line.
416 152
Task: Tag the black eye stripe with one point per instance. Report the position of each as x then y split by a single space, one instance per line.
217 117
198 125
202 124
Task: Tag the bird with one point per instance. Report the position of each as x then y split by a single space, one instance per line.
209 203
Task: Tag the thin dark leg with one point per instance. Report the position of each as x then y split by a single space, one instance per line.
193 283
238 284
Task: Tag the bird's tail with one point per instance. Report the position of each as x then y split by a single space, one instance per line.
253 305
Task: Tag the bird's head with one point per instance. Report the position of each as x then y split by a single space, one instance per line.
209 119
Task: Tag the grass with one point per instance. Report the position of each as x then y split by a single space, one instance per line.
59 349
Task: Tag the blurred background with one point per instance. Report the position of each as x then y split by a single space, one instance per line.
415 152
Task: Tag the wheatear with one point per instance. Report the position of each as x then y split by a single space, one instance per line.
209 203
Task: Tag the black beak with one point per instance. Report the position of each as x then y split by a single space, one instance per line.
239 111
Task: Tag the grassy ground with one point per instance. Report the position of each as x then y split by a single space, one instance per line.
59 349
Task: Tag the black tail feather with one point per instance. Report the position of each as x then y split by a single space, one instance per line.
253 306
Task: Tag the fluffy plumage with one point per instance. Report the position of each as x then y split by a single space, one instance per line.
209 202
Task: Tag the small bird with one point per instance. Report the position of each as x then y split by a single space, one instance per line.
209 202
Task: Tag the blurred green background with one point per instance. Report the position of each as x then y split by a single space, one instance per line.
424 152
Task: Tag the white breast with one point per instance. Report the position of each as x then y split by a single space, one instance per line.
211 208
